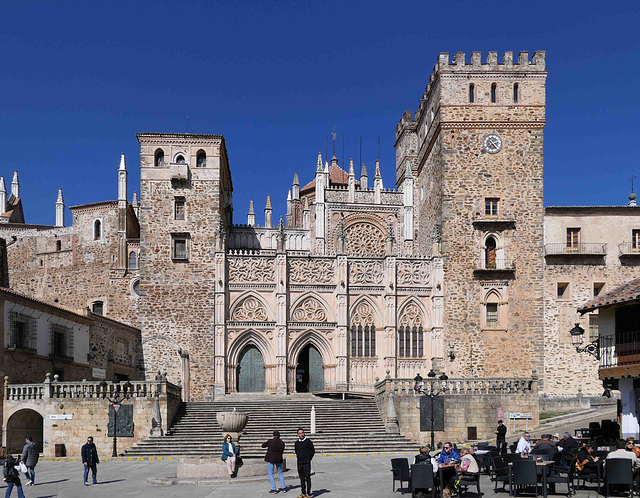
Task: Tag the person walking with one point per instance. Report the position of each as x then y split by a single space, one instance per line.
229 454
275 449
304 453
12 477
90 460
30 456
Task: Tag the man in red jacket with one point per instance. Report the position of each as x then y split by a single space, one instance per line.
275 449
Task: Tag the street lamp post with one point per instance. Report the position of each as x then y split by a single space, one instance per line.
116 401
432 393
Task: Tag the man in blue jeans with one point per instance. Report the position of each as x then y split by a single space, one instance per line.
90 461
275 449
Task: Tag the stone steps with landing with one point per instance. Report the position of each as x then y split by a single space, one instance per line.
342 426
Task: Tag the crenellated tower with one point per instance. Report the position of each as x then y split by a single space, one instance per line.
475 150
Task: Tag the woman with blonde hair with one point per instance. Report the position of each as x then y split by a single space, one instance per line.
229 454
468 467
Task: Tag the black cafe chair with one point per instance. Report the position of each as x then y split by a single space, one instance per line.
558 474
422 479
400 469
619 471
499 472
469 480
523 473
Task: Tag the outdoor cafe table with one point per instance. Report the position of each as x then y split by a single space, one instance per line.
543 466
445 471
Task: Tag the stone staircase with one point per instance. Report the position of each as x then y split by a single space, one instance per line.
342 426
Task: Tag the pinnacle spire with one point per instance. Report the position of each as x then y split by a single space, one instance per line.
2 187
289 195
408 173
319 164
351 169
363 170
378 174
15 185
268 206
251 211
123 164
296 181
59 200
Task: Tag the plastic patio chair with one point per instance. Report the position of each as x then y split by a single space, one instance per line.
524 473
618 471
422 478
400 469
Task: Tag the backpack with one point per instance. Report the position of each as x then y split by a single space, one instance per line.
10 473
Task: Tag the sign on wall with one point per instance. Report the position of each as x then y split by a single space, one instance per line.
63 416
425 413
99 373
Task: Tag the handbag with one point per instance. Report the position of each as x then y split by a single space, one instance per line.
239 461
22 467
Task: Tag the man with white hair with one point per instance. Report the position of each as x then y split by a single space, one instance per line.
524 446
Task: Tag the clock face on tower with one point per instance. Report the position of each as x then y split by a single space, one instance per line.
492 143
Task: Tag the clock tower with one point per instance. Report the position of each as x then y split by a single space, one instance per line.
475 147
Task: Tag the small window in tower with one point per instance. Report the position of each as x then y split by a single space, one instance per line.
494 87
180 160
563 290
635 240
97 230
597 288
179 208
133 260
97 307
491 207
490 253
136 287
472 93
593 327
201 161
58 245
180 246
516 89
159 158
492 315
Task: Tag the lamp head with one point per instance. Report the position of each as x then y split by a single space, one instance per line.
431 374
577 335
417 382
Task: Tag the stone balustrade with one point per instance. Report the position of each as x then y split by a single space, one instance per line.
457 386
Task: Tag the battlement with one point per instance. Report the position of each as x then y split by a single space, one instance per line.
458 63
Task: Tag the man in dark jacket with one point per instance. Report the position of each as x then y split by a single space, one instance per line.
90 460
275 449
30 456
304 454
12 477
501 437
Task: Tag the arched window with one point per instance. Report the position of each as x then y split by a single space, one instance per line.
494 87
159 158
136 287
363 331
491 310
490 253
516 89
411 333
180 159
97 230
58 245
201 160
472 93
133 260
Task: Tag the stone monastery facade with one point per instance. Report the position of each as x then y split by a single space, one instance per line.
445 271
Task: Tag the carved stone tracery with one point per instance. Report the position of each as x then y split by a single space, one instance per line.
414 273
251 270
250 310
411 316
363 314
315 271
309 310
365 272
364 239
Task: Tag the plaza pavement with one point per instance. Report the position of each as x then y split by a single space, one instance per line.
335 477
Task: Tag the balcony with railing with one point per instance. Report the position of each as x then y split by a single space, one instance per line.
629 250
489 267
619 350
582 249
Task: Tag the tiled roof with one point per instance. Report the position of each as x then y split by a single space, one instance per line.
627 292
337 176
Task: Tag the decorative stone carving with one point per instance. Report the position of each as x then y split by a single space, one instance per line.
411 316
250 310
309 310
366 272
365 239
314 271
414 273
363 314
251 270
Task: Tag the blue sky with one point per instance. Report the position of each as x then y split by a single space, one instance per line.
79 79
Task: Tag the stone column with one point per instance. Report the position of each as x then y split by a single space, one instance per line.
220 328
342 319
389 315
281 323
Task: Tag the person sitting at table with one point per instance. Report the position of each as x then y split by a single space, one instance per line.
448 454
468 468
524 446
569 445
425 457
631 446
586 462
621 452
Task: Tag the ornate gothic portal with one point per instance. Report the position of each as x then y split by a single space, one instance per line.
310 371
250 373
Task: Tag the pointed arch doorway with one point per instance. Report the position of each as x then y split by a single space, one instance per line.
250 370
310 370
